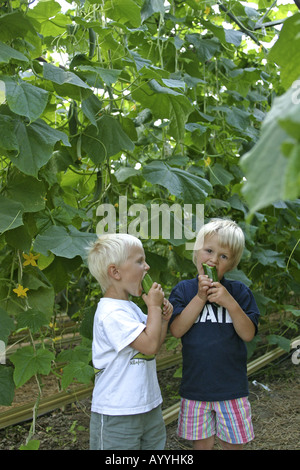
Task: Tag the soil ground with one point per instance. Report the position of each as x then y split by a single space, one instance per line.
276 415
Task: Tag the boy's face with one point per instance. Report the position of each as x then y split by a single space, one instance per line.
132 272
213 254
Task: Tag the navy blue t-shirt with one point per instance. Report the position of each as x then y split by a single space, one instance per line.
214 356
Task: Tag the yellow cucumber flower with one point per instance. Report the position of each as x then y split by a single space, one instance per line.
30 259
21 291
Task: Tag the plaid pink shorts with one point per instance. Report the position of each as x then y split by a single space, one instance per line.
230 420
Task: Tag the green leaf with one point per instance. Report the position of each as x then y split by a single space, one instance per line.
230 36
123 11
7 325
238 275
62 242
25 99
78 354
205 48
8 54
268 172
44 10
237 117
50 21
178 372
19 238
32 319
14 25
91 107
179 182
77 370
66 83
11 214
7 386
29 362
165 103
60 270
152 6
44 296
286 51
86 327
33 444
41 292
140 62
262 301
8 139
233 37
123 173
282 342
268 257
106 140
292 176
36 143
219 175
171 83
109 76
27 190
294 310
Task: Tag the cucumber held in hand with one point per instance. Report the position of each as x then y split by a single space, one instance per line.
147 283
211 272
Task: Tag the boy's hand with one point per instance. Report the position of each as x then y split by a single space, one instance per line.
219 294
204 284
167 310
155 296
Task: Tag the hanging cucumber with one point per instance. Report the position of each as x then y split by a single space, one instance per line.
73 118
92 43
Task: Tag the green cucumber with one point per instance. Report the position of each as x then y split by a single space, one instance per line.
211 272
147 283
92 41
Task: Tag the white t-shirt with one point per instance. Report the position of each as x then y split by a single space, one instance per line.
127 383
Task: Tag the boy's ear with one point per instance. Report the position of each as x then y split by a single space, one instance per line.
113 272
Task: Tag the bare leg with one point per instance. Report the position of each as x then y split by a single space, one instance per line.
204 444
228 446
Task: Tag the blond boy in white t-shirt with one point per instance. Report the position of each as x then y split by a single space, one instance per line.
126 404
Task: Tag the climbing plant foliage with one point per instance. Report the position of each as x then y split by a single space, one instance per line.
159 102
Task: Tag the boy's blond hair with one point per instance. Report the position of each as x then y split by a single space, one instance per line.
229 234
109 249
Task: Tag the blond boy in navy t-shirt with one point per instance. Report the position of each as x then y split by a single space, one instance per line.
214 320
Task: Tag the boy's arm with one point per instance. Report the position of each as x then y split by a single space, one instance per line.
167 313
183 322
241 322
148 342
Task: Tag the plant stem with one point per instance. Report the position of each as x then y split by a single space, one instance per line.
35 409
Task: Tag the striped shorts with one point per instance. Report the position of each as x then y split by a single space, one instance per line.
230 420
